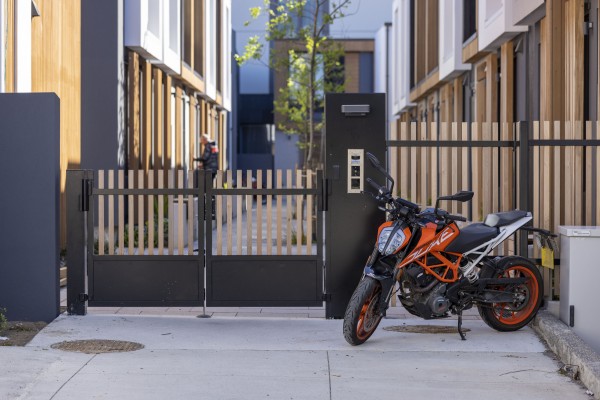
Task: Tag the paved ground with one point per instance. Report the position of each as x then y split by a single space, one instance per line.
279 358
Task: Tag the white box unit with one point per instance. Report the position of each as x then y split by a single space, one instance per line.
450 39
226 54
495 23
171 22
143 28
400 56
579 277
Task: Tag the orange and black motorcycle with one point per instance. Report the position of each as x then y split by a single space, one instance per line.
441 269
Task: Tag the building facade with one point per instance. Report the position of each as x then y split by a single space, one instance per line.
138 81
489 64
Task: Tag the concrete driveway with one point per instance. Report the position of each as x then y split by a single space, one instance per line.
280 358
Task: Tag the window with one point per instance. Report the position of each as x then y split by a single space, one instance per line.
469 19
199 37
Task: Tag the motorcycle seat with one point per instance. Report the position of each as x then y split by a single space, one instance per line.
504 218
471 237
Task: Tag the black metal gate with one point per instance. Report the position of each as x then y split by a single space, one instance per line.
142 239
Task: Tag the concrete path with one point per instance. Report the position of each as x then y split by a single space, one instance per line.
280 358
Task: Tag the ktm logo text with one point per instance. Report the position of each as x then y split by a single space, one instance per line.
445 235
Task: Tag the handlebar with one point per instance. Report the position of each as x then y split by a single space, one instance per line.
456 218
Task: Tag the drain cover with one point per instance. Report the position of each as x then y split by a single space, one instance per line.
423 329
96 346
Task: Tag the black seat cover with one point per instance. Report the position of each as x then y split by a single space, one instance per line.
472 236
508 217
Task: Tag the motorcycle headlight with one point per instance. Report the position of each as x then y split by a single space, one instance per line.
393 245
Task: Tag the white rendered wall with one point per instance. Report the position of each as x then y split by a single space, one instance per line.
495 23
144 27
450 39
2 47
23 46
400 55
171 26
226 54
210 36
521 9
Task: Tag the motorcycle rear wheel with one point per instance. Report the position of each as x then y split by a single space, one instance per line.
362 314
506 317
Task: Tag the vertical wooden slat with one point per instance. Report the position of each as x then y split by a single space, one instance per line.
158 121
190 214
161 214
289 213
269 213
249 214
569 186
259 221
577 173
536 180
147 112
486 177
558 179
413 165
151 213
476 173
444 169
404 163
299 220
433 163
121 212
455 168
547 173
130 235
309 213
111 213
278 185
192 130
134 113
464 135
589 167
423 168
239 216
219 214
178 127
229 215
10 46
167 129
101 240
180 241
170 208
140 213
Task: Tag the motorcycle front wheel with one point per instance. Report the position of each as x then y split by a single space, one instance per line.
362 314
512 316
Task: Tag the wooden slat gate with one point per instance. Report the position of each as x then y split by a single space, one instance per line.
141 239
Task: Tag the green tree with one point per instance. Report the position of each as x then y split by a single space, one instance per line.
312 61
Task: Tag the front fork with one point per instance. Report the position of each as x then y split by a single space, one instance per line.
386 277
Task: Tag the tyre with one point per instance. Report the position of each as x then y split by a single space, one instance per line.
362 314
506 317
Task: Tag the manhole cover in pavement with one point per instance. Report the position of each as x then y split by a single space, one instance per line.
96 346
424 329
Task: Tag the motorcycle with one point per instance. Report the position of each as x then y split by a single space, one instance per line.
441 269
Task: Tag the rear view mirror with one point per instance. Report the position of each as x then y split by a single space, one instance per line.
377 165
462 196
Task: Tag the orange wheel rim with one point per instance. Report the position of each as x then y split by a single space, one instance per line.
526 297
368 316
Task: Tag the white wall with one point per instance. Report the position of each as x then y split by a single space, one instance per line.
143 28
450 39
400 93
171 25
363 19
2 47
23 46
495 23
226 54
254 75
210 33
522 9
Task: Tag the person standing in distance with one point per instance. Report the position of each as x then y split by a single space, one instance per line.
210 156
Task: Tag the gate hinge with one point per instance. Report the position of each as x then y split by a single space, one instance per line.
83 297
326 297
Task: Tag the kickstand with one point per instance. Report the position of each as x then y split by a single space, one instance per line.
460 331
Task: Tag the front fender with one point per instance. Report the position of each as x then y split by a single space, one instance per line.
377 272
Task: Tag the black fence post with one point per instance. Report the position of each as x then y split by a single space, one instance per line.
526 181
78 188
